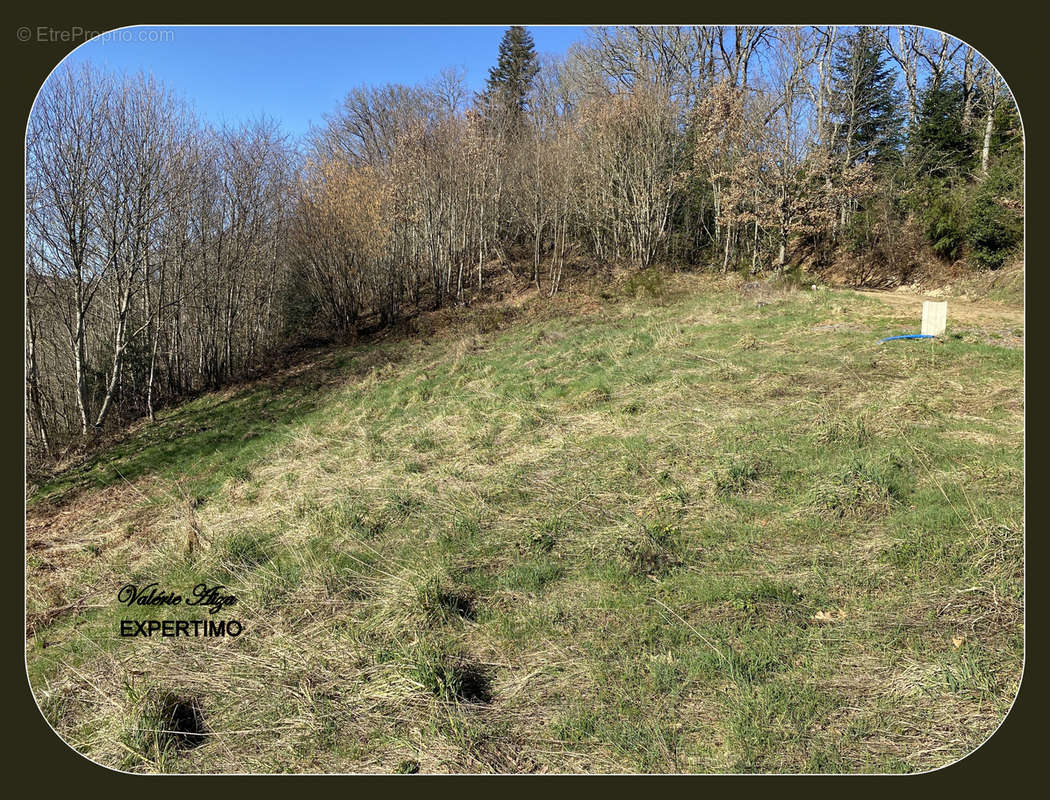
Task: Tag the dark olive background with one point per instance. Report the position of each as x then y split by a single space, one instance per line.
1013 41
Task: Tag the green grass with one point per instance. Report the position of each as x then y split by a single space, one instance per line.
680 532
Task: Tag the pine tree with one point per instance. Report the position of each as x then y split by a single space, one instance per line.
865 108
511 79
940 145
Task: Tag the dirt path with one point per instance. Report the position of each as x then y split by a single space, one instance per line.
981 313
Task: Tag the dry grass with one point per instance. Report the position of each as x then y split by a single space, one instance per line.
657 527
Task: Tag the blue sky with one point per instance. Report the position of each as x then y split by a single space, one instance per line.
294 74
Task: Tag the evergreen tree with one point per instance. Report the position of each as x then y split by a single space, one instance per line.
511 79
996 209
865 107
1007 141
940 145
995 218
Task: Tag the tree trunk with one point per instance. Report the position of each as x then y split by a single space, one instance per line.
119 346
987 145
80 361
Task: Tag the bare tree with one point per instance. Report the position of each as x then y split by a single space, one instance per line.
66 167
164 255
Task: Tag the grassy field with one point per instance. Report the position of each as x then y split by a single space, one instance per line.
676 526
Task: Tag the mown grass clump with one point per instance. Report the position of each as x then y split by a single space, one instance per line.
654 549
532 575
593 396
247 549
751 598
542 537
863 487
740 474
845 431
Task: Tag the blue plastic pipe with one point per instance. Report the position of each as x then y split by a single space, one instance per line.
908 336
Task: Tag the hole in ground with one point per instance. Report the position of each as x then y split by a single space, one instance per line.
181 722
458 603
473 683
455 679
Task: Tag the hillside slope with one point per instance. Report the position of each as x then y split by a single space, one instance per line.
677 527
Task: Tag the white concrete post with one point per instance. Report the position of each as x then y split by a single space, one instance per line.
934 318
